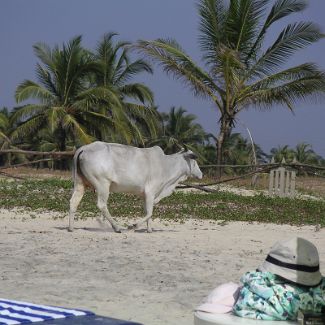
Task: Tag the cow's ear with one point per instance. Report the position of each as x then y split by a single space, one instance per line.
190 155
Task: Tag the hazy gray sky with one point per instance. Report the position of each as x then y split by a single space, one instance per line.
23 23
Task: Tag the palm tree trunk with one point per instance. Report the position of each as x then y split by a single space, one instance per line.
226 123
62 164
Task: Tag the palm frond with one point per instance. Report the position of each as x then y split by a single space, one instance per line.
212 27
175 62
293 73
45 79
104 47
242 24
282 9
27 111
97 96
287 93
31 126
4 137
107 56
147 118
279 10
46 55
4 121
80 132
139 92
294 37
132 69
29 89
54 116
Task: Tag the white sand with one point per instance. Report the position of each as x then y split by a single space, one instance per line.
153 278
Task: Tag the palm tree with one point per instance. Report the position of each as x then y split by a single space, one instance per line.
239 71
179 130
305 154
4 127
65 99
282 152
133 117
239 151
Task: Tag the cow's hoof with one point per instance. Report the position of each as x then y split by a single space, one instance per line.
135 226
117 230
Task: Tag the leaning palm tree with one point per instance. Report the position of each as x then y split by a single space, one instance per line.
239 70
134 117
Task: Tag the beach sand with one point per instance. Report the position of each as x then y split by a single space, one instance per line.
155 279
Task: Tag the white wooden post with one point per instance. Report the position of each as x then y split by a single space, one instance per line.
271 180
282 181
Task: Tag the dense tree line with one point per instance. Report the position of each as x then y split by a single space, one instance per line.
175 130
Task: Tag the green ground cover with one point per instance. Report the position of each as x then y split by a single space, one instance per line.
54 194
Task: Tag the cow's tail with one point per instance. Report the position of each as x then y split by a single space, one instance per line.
77 172
76 166
78 169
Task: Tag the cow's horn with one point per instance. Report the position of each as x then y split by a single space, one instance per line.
182 149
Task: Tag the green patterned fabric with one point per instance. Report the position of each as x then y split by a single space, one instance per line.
268 297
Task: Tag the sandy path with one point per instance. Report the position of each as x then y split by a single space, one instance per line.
153 278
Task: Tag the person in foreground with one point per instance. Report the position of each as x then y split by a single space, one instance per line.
288 280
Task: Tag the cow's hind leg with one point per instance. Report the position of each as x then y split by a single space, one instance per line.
102 197
148 205
78 192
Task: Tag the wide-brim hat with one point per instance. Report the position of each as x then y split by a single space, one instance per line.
296 260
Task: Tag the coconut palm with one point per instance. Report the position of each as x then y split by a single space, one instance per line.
236 150
305 154
179 129
239 151
239 70
282 152
134 118
65 101
4 127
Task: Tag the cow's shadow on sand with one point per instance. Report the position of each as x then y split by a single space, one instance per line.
110 230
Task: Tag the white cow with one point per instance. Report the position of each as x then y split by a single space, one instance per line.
111 167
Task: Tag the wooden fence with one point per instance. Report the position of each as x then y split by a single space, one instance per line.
281 181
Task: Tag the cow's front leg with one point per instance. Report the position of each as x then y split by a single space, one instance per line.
149 228
148 207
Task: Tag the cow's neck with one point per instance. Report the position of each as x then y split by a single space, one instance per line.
177 167
175 171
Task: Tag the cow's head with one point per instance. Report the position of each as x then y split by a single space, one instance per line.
190 157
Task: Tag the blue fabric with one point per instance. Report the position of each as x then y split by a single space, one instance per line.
268 297
17 312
